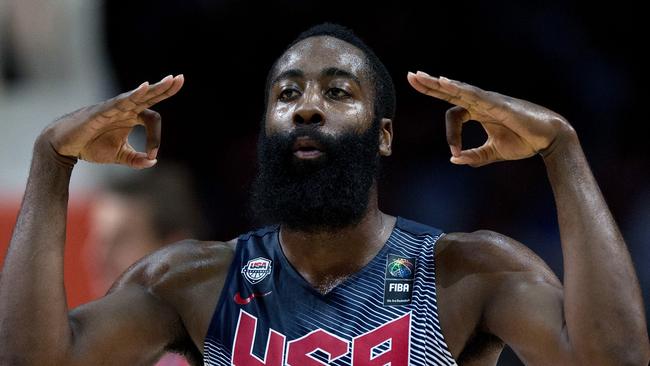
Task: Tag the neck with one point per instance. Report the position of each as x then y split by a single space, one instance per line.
327 258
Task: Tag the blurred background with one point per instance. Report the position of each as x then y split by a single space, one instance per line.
584 60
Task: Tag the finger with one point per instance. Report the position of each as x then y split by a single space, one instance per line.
479 100
415 83
122 102
431 86
454 119
477 157
418 85
158 88
174 86
152 123
474 99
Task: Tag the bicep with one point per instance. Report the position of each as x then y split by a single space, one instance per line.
129 326
527 313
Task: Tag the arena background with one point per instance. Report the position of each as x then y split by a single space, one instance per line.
583 60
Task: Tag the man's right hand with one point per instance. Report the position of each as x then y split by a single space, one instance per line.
99 133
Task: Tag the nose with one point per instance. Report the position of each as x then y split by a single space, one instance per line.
309 110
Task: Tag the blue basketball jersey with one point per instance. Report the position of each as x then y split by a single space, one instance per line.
385 314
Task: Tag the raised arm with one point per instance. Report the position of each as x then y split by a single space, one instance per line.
598 318
131 323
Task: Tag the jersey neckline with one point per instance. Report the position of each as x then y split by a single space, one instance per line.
293 272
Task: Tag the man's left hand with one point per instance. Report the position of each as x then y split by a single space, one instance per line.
516 129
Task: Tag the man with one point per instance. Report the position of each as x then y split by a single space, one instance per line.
333 280
135 215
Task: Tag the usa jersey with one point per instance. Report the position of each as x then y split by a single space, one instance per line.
385 314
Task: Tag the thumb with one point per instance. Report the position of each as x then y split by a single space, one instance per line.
476 157
134 159
151 121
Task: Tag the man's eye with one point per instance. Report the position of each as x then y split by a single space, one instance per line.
337 93
288 94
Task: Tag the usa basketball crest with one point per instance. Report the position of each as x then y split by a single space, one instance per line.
256 269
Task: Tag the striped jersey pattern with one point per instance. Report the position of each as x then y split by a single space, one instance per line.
268 314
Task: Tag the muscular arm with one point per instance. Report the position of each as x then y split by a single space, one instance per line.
598 317
35 327
602 298
31 288
163 302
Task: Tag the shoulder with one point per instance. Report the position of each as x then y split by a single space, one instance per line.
498 285
508 280
488 254
505 290
180 264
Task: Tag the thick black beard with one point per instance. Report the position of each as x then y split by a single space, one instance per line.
320 195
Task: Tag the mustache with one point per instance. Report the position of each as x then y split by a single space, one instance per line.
314 133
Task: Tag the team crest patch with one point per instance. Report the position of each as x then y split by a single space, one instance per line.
256 269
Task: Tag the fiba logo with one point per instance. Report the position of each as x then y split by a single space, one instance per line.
401 268
398 283
256 269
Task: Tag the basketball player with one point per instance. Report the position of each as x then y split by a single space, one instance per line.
331 279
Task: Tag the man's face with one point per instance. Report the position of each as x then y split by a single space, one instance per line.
321 81
319 150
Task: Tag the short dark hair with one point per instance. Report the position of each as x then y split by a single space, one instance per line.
384 101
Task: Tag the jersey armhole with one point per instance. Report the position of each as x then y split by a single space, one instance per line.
223 293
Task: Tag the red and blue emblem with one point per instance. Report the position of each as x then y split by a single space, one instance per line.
256 269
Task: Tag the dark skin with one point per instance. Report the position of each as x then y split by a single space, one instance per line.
492 289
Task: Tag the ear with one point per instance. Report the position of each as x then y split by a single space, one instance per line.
385 137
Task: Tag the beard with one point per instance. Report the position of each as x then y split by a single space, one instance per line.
324 194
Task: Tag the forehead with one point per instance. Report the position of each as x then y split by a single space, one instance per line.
315 54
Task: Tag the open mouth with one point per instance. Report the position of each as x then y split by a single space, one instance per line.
306 148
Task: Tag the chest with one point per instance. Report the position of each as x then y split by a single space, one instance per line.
387 310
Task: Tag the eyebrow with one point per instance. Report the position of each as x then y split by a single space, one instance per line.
335 71
330 71
288 74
